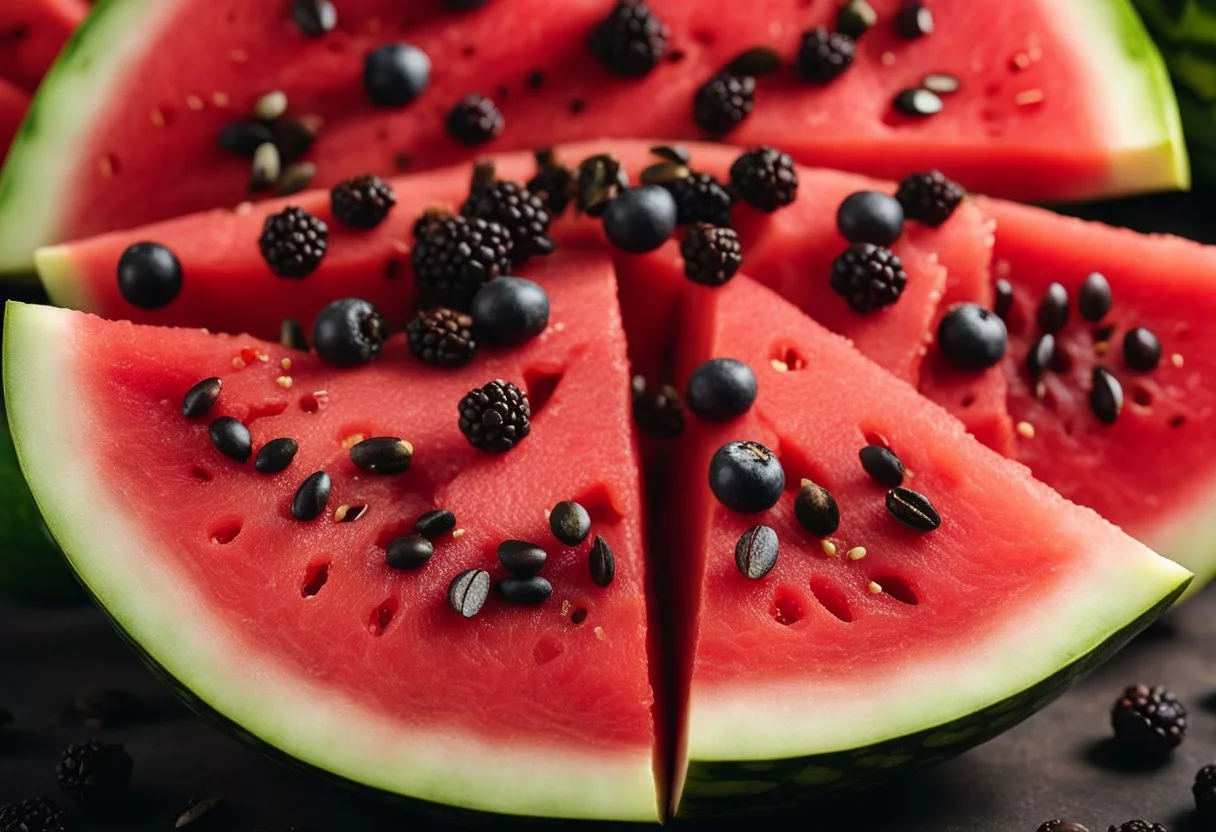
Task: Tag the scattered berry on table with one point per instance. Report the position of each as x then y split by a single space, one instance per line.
869 277
495 417
1139 826
1204 790
870 217
641 219
723 102
552 182
929 198
95 774
765 178
395 74
363 201
441 336
35 814
746 477
474 120
1149 720
293 242
720 389
712 256
348 332
510 310
658 412
823 55
149 275
631 40
971 338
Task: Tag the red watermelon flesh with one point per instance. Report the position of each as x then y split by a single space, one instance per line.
31 34
13 102
544 698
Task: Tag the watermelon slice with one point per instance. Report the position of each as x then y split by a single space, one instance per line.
31 34
13 103
118 121
834 669
299 633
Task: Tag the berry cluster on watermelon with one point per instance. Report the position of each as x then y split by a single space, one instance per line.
437 431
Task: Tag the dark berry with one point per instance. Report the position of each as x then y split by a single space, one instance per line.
658 412
243 138
149 275
1052 313
570 523
1204 791
95 774
510 310
765 178
362 202
454 256
746 477
641 219
395 74
721 389
35 814
823 55
1002 304
441 336
1148 720
972 338
870 217
869 277
601 178
515 208
495 417
552 182
474 120
700 198
293 242
929 198
1061 826
1095 298
631 40
723 102
314 17
348 332
712 256
1139 826
1141 349
913 20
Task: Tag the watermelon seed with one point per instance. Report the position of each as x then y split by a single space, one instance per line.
349 514
275 455
1141 349
913 20
883 466
312 496
1106 397
1094 299
409 552
602 562
941 83
314 579
530 590
1025 430
913 509
1053 309
756 552
231 438
817 512
270 106
200 398
295 178
266 167
292 336
1177 360
383 455
1041 355
676 153
204 812
569 522
855 18
1026 98
382 616
243 138
457 534
856 553
918 102
284 381
664 173
759 60
434 523
295 136
829 548
1003 304
521 558
874 588
314 17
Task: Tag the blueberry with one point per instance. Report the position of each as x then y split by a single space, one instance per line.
721 389
641 219
149 275
510 310
395 74
972 338
870 217
348 332
746 477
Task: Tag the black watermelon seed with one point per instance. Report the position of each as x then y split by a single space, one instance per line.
602 562
1095 298
295 178
243 138
870 217
409 552
918 102
434 523
676 153
570 523
913 20
1053 309
1003 304
149 275
468 591
199 398
521 557
1041 355
759 60
1106 397
941 83
231 438
275 455
314 17
971 338
721 389
756 552
816 509
266 167
383 455
913 509
312 496
292 335
855 18
746 477
1141 349
395 74
883 466
295 136
530 591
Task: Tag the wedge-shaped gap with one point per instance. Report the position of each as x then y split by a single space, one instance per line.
799 466
787 357
392 531
547 649
788 606
382 616
540 383
578 615
314 578
201 474
265 410
1142 394
832 598
897 588
225 530
598 501
310 402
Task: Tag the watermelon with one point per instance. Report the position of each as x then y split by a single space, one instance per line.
13 103
31 34
123 135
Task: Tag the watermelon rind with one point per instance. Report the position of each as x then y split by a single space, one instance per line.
188 641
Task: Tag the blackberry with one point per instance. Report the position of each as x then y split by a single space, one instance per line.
723 102
551 182
494 417
631 40
823 56
868 277
94 774
441 336
712 256
474 120
1205 792
517 209
929 197
35 814
293 242
658 412
1139 826
700 198
363 201
765 178
453 257
1061 826
600 179
1148 720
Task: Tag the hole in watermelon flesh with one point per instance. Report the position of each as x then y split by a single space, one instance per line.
1177 421
579 615
201 474
547 649
310 403
875 437
392 531
788 354
705 37
1142 395
382 616
314 578
540 383
264 410
968 400
599 504
352 434
788 607
225 530
897 588
832 598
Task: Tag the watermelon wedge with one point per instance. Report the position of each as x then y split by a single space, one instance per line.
298 632
31 35
118 120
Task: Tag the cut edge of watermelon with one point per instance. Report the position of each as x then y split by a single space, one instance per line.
341 737
60 279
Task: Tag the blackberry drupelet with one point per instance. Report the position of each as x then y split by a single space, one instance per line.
1139 826
94 774
495 417
599 180
293 242
929 198
552 182
515 208
1204 791
362 201
723 102
474 120
712 256
453 256
35 814
701 198
1148 720
1061 826
765 178
868 277
823 55
631 40
658 412
441 336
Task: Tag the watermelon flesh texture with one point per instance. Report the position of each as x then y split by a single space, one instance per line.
298 632
976 623
31 35
13 103
1032 118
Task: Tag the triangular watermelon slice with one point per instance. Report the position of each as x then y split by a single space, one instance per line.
883 645
298 632
121 135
